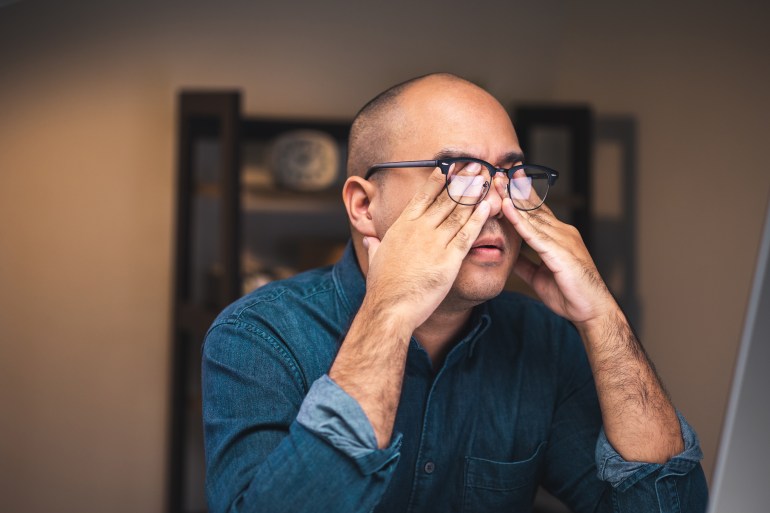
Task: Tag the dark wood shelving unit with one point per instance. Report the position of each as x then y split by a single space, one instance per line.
218 217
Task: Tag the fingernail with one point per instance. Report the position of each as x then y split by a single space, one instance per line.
365 242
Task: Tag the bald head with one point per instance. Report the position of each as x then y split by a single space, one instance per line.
384 120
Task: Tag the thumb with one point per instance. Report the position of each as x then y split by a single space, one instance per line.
371 244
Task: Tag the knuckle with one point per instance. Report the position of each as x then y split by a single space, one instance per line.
456 219
571 233
538 219
451 222
462 238
422 197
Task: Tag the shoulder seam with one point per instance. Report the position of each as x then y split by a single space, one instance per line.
286 354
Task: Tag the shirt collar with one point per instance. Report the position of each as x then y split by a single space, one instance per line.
349 280
480 322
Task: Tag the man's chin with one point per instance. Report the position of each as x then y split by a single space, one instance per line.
470 293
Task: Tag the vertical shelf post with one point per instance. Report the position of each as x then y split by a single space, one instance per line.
200 114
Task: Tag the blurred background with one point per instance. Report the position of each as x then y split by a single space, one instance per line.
88 159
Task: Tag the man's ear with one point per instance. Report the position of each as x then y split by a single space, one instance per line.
358 194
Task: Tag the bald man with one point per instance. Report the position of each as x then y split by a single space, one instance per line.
404 379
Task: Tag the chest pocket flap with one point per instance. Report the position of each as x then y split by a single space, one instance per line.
501 486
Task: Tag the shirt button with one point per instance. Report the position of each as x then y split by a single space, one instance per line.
430 467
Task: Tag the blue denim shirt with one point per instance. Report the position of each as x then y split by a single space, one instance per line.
513 407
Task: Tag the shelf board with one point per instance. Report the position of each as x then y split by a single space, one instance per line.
325 202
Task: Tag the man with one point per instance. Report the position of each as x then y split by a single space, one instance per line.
401 379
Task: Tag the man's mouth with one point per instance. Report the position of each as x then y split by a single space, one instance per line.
487 246
488 243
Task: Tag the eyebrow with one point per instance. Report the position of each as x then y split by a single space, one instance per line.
507 158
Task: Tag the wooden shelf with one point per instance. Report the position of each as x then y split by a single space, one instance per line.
277 200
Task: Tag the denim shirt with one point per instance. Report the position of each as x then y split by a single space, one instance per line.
512 408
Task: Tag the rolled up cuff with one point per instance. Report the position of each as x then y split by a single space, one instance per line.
333 415
622 474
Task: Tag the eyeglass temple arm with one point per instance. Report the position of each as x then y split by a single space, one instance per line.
406 163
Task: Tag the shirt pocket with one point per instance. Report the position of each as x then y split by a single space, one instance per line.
492 486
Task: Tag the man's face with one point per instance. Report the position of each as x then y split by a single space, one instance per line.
464 121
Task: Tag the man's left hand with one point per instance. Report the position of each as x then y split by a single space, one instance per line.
639 420
566 279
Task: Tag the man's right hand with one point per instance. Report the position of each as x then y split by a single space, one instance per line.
412 269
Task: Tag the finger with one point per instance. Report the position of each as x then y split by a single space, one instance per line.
426 195
534 231
468 183
457 217
523 193
470 230
371 244
545 208
550 228
512 214
541 220
525 187
507 188
446 205
556 243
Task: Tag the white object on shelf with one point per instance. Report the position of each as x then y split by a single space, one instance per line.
305 160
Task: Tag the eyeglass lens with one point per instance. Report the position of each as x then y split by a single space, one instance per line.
469 181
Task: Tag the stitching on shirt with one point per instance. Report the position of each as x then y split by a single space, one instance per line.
673 491
339 289
283 351
272 296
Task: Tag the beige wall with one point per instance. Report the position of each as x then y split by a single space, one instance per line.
697 81
87 174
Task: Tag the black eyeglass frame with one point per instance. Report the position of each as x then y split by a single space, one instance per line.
445 164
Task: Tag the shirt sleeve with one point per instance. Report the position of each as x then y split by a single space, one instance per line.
259 455
586 473
677 485
622 474
333 415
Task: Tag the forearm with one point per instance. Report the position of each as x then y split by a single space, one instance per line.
370 365
639 420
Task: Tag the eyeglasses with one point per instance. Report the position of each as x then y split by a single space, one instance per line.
468 179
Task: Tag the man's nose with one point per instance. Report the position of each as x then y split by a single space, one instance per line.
495 197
